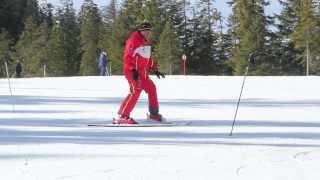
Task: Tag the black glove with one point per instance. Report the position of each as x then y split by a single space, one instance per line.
159 74
135 74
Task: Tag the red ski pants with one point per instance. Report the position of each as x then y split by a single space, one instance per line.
136 86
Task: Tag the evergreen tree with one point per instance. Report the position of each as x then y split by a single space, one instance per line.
223 47
71 42
317 67
56 65
201 59
131 12
89 38
249 32
152 13
287 56
167 53
111 12
32 9
193 32
109 18
115 44
185 37
4 51
305 33
13 13
46 12
175 11
32 47
189 46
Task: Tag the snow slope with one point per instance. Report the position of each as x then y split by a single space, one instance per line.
43 132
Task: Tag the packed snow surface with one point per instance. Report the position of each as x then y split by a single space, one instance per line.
44 133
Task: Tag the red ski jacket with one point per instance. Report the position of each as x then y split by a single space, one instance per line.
137 55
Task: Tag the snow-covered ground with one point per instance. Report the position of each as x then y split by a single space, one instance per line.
43 132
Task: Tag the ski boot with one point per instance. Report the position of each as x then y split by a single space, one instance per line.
156 118
124 120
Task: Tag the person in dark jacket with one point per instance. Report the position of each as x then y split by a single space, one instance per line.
103 64
18 69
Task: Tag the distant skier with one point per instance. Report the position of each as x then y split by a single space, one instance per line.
137 63
103 64
18 69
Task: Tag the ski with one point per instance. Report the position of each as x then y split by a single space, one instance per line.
164 124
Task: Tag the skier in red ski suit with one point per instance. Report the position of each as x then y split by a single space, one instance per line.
137 63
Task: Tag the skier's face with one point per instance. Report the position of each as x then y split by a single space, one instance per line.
146 33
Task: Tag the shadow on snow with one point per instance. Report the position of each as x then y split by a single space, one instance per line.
75 131
36 100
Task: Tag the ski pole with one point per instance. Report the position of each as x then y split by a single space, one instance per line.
6 65
250 60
